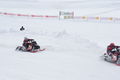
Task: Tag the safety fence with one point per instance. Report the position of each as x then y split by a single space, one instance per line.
112 19
84 18
27 15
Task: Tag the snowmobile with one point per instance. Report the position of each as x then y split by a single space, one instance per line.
29 45
33 50
113 57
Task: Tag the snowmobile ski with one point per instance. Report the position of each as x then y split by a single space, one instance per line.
38 50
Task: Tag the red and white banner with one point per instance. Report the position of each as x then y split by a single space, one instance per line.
28 15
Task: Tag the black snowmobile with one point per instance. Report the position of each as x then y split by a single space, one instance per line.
29 45
33 49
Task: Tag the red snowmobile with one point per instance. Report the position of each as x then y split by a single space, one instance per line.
113 54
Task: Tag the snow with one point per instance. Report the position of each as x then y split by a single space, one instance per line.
74 47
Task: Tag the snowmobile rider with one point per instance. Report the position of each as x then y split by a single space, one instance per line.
30 44
112 49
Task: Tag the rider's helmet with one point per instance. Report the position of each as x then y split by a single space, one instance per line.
112 44
25 38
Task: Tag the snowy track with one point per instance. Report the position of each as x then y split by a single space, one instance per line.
74 48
